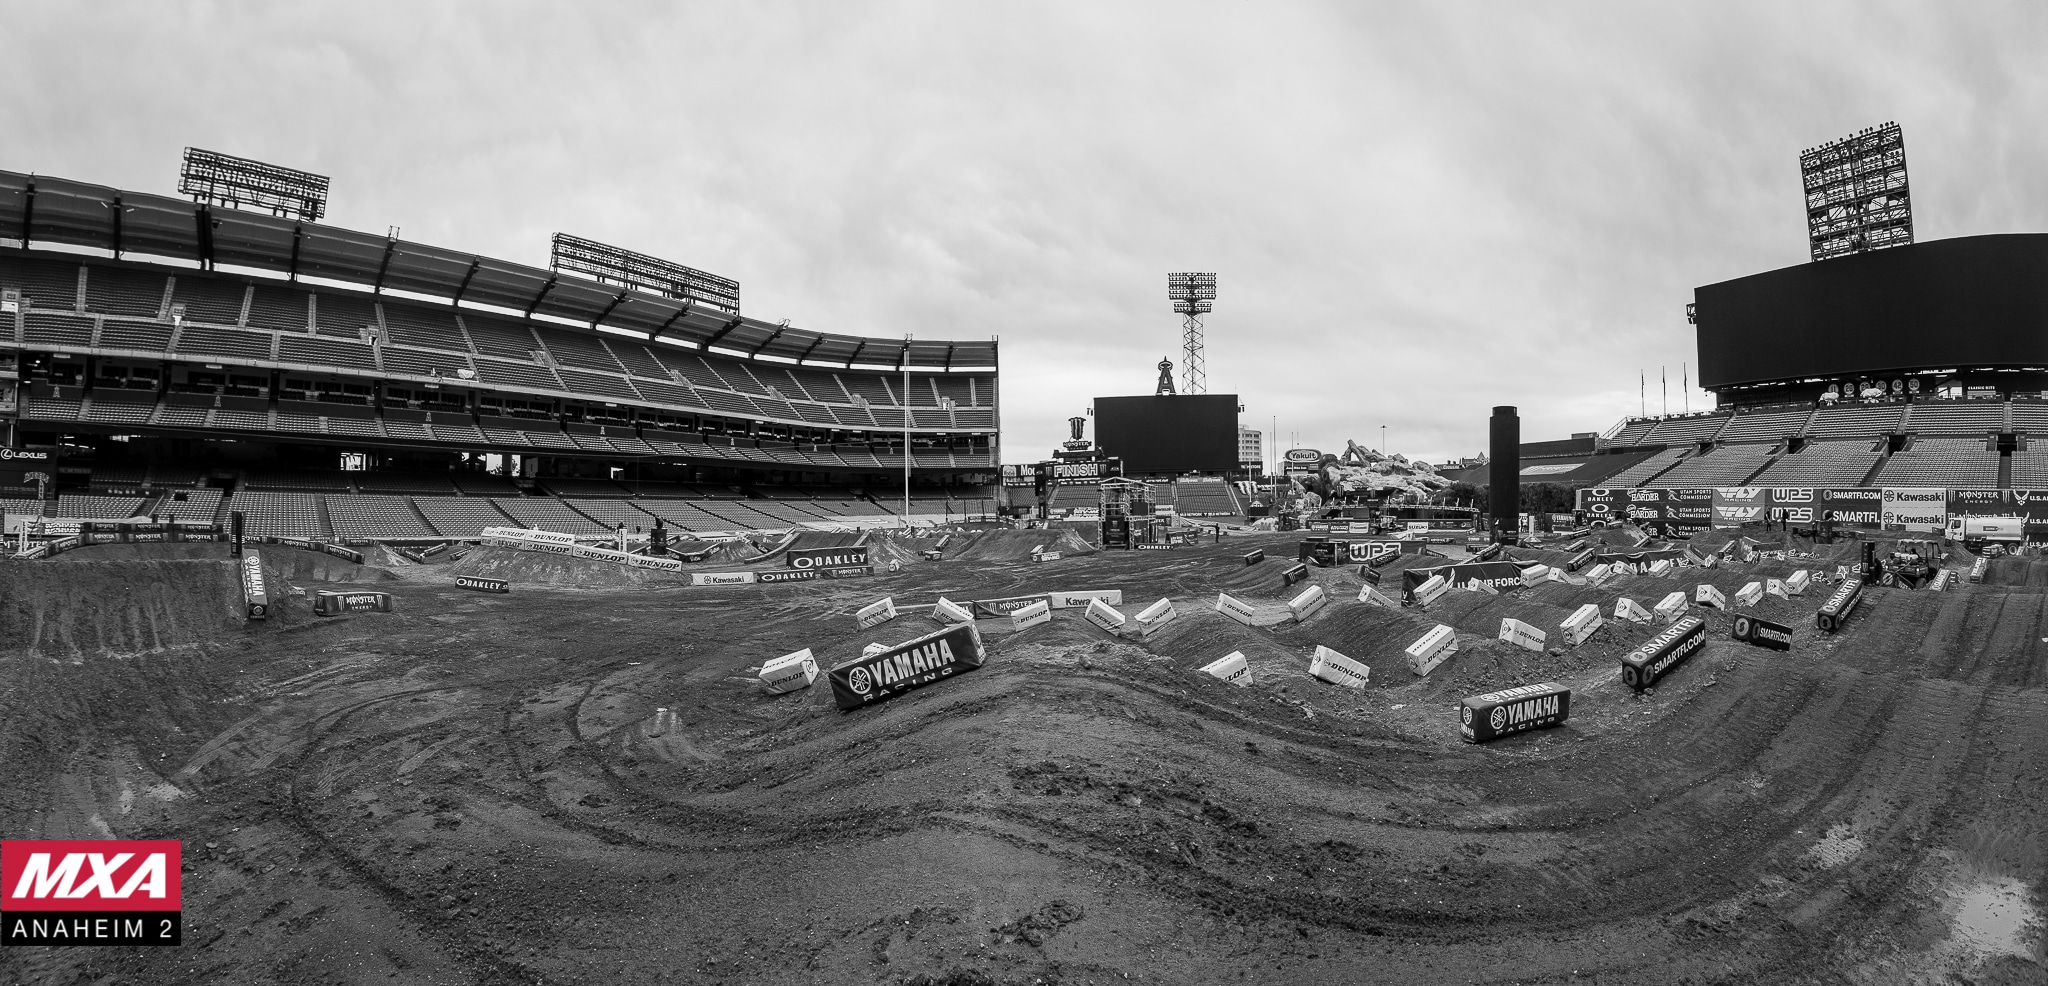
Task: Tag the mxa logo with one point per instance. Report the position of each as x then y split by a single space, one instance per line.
89 875
41 882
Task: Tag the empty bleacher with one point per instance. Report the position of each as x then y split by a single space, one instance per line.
277 514
1855 420
1836 463
548 514
1956 418
1204 498
1631 433
373 517
2030 468
200 506
1765 426
93 507
1961 462
461 517
1646 470
1674 431
1728 465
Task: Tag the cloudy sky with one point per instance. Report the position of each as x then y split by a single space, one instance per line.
1416 210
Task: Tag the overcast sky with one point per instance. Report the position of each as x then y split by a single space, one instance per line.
1416 211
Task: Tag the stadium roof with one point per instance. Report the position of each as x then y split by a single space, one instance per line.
36 208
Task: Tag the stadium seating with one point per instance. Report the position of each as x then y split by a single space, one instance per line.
283 309
206 299
91 507
2030 468
1674 431
119 291
1855 420
296 479
48 284
1631 433
461 517
426 484
1838 463
1647 470
1766 426
198 506
1962 462
548 514
374 517
298 515
1955 417
1728 465
2030 417
1204 498
610 513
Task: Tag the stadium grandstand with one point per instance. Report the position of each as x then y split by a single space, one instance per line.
196 360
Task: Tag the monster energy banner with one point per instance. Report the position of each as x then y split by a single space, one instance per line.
888 673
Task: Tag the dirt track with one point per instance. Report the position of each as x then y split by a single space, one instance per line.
479 788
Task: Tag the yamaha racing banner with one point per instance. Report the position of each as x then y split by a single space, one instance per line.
914 664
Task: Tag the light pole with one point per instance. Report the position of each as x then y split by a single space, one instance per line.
1383 440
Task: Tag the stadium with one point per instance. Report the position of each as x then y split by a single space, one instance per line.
426 617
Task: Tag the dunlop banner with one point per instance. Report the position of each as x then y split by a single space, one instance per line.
913 664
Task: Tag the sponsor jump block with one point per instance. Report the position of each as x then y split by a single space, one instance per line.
929 659
790 672
1658 656
1759 632
1232 668
1836 610
1338 669
1432 649
1513 710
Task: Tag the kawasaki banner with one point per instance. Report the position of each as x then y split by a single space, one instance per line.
1914 508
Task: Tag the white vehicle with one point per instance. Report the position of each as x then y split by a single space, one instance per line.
1976 532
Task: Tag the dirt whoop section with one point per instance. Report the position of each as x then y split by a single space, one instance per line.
584 785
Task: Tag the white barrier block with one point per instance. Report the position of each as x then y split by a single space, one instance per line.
1630 610
1432 649
1482 587
1599 573
947 613
1373 597
1230 667
1046 556
1672 607
1031 616
1750 594
1102 615
873 649
1979 569
1305 605
1155 616
789 672
1942 580
1661 567
1337 669
1581 624
1522 634
877 613
1236 609
1428 592
1796 585
1841 573
1776 587
1555 575
1535 573
1707 595
1711 561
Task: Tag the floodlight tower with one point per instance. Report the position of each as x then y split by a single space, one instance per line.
1191 295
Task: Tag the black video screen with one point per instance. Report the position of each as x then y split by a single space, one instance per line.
1969 301
1172 434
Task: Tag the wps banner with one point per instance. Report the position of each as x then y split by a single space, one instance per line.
1915 508
1735 506
1793 505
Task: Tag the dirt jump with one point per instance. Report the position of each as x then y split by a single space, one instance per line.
581 782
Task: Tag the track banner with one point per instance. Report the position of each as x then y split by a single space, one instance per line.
1854 507
913 664
1792 504
1735 506
1922 508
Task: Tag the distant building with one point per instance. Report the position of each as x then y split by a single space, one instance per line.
1250 458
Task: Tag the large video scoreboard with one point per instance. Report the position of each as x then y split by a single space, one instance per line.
1169 433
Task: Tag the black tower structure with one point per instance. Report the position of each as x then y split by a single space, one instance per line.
1504 473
